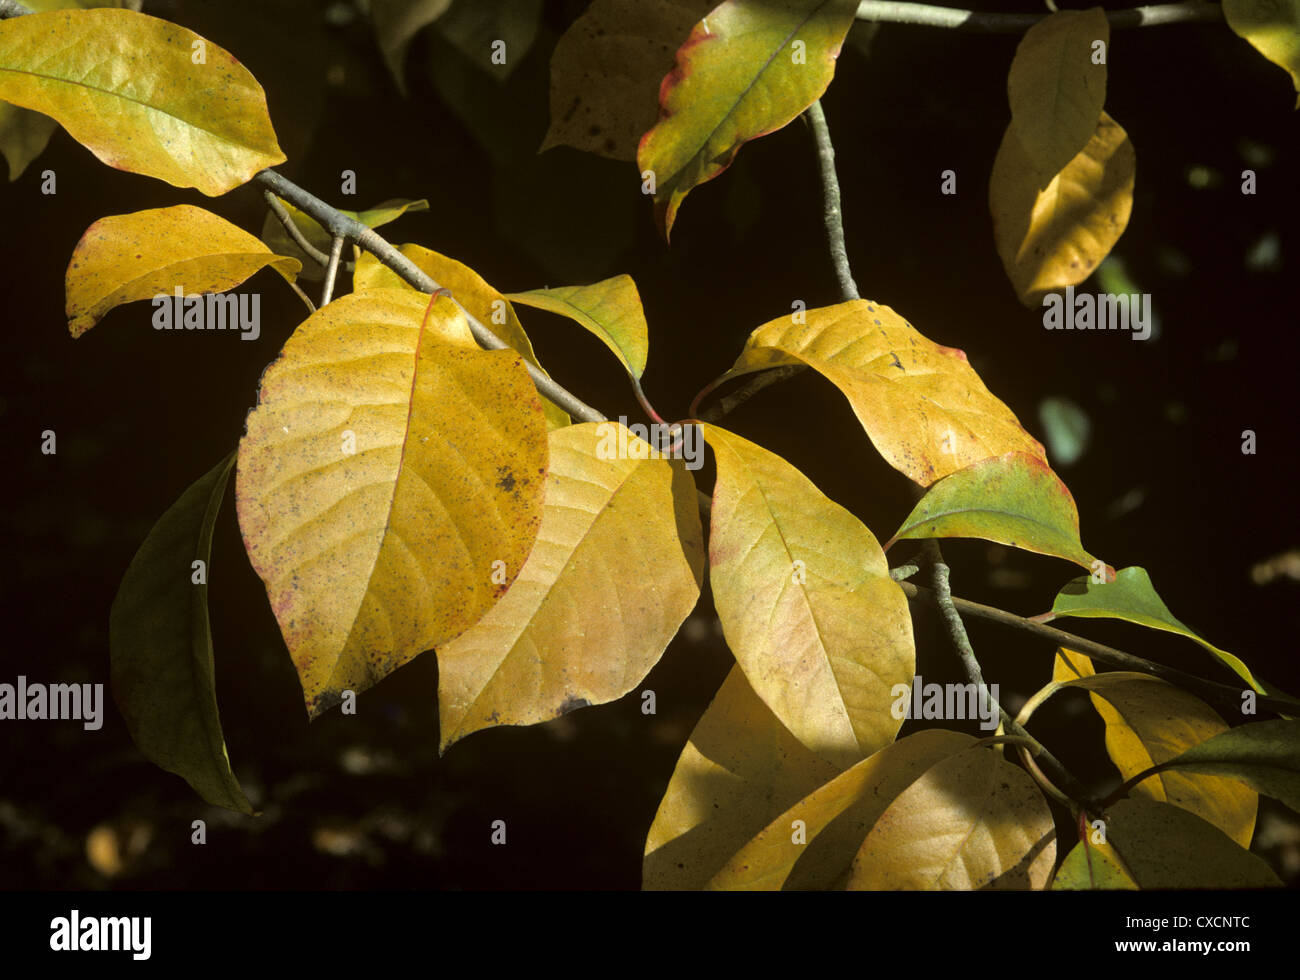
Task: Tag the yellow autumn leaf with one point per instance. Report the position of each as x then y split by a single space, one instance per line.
142 94
128 257
491 308
924 408
1273 29
807 604
390 485
836 818
614 572
740 769
1055 237
1057 86
1150 721
971 821
1165 846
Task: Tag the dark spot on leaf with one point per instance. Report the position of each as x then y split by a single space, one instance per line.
572 704
505 479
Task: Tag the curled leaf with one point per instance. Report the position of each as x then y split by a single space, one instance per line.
128 257
1054 237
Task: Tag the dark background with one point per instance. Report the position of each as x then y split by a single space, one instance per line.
365 801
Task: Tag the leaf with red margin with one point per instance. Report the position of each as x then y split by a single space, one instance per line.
746 70
1014 499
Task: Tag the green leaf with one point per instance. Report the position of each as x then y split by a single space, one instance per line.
740 769
23 135
128 257
1092 867
396 24
747 69
610 309
1165 846
1131 597
822 632
474 28
1264 755
1055 89
1273 29
161 648
1014 499
128 88
836 818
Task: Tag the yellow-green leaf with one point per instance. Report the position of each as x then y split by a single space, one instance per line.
390 485
1054 237
1264 755
1148 722
1131 597
606 71
23 135
973 820
836 818
1014 499
278 239
610 309
128 257
1093 866
807 604
747 69
396 24
132 89
1165 846
161 646
1273 29
926 411
740 769
1056 88
614 572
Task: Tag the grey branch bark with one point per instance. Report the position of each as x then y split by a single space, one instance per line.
12 8
831 210
339 225
924 15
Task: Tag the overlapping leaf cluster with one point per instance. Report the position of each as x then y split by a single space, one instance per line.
400 489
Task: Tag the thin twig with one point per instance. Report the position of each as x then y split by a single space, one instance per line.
980 22
331 271
294 232
1210 690
1052 768
339 225
311 307
831 203
834 219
